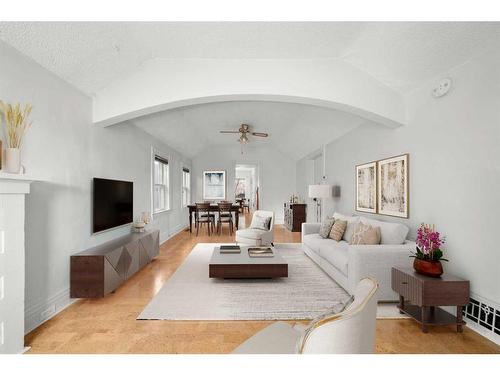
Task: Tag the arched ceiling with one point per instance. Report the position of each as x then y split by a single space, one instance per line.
294 129
132 69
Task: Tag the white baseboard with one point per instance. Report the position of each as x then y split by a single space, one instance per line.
164 237
38 314
476 317
483 331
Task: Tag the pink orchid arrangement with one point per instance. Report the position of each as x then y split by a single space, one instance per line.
429 243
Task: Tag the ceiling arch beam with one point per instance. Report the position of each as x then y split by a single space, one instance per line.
164 84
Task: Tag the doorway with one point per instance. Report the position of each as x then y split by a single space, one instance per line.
246 185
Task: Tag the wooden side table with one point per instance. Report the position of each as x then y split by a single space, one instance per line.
425 294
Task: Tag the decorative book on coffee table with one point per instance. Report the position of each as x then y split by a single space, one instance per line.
230 249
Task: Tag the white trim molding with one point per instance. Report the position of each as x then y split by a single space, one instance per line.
42 311
13 190
483 316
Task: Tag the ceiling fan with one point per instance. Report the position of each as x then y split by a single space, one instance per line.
244 131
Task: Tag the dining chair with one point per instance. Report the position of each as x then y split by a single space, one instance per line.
239 201
246 205
203 216
225 216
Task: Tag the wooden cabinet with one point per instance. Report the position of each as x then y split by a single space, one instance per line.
101 270
295 215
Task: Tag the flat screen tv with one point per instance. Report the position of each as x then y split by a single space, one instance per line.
112 204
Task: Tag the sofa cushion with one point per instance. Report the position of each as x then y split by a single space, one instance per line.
326 227
254 234
365 234
336 253
338 230
314 241
351 224
390 233
260 222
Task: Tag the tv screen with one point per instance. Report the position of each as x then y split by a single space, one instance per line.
113 204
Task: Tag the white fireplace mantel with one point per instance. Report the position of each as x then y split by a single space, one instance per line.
13 189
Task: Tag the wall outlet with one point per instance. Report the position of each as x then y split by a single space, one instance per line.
45 314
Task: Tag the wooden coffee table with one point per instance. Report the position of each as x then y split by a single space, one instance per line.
242 266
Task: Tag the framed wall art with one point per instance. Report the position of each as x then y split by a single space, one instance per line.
366 187
393 186
214 185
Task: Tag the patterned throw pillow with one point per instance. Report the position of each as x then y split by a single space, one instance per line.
337 308
365 234
338 230
260 222
326 227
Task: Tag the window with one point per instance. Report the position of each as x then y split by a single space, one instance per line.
186 187
161 201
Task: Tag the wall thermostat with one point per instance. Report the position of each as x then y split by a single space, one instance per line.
442 88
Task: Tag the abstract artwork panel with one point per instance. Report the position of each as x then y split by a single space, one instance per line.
366 187
393 186
214 185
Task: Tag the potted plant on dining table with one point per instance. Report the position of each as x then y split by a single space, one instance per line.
428 255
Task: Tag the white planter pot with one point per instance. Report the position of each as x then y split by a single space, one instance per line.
12 160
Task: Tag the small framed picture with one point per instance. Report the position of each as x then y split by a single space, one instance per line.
214 185
393 187
366 187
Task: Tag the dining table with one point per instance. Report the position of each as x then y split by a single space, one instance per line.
235 209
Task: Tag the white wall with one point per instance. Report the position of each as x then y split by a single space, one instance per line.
65 150
454 147
276 180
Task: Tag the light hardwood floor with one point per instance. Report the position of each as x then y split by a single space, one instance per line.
109 325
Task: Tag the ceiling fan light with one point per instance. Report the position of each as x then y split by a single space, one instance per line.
243 138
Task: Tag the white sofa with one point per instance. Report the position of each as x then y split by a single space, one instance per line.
347 264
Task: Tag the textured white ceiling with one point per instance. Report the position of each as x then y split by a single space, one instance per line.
92 55
404 54
294 129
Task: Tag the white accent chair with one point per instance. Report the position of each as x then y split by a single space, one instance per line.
350 332
257 237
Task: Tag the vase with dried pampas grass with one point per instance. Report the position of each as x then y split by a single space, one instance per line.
16 122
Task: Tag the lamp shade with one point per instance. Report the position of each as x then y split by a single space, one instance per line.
320 191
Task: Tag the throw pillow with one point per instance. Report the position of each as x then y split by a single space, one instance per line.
326 227
338 230
365 234
337 308
351 224
260 222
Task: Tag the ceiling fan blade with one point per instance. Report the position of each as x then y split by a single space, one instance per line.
260 134
229 131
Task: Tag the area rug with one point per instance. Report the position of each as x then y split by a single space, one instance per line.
190 295
307 292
